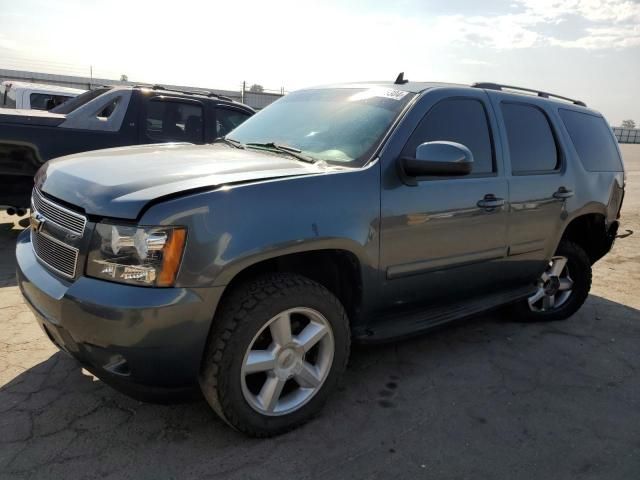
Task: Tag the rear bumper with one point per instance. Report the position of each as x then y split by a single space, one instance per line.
138 339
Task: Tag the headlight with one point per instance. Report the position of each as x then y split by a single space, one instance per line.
138 255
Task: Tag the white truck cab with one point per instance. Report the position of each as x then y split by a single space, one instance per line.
27 96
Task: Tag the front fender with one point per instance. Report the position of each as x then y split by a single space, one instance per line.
234 227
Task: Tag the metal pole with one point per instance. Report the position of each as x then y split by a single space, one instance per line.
242 93
90 76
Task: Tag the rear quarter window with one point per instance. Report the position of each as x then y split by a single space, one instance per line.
592 140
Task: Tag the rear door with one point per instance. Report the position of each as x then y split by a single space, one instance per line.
538 183
438 243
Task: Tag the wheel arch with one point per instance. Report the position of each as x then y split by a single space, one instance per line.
337 268
591 231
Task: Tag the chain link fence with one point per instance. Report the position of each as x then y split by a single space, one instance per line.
627 135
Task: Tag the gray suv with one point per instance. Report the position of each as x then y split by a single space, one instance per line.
360 212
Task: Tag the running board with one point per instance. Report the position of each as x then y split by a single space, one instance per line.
393 327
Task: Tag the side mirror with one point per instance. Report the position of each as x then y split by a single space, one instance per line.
437 159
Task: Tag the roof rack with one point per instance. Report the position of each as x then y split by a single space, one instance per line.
187 92
497 86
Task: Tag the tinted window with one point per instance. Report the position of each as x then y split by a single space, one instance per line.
46 101
532 147
170 121
593 141
80 100
457 120
108 109
227 120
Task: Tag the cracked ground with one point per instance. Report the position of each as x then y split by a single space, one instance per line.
487 398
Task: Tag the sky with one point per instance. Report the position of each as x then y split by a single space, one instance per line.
585 49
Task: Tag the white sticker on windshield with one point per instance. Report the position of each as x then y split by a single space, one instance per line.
378 92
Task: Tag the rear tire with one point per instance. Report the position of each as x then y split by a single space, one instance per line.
551 301
277 349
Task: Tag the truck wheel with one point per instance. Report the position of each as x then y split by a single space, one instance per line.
562 288
277 349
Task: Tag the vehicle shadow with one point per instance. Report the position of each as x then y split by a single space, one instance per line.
485 387
10 227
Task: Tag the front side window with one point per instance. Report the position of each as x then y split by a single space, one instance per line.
460 120
532 146
174 121
227 120
336 125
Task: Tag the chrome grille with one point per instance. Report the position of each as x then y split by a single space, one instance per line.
63 217
59 256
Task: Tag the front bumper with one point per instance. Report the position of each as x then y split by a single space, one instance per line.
138 339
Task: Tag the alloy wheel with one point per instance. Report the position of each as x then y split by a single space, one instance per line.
554 287
287 361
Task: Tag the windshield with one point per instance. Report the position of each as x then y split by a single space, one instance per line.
340 125
70 105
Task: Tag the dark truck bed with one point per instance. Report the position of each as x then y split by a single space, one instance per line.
105 118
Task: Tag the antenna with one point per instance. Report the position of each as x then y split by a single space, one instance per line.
400 79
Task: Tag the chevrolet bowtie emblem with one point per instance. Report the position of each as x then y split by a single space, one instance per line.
37 221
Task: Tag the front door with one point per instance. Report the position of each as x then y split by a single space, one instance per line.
444 240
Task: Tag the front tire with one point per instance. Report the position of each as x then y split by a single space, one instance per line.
278 347
561 289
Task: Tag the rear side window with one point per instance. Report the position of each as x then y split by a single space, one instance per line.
593 141
532 146
80 100
173 121
227 120
461 120
46 101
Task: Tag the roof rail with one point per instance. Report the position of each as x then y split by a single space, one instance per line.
497 86
204 93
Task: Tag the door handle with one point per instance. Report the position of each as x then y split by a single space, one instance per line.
563 193
490 201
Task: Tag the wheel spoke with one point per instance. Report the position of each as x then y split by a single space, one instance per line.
536 296
310 335
260 361
548 302
565 284
270 393
278 379
281 329
558 266
308 376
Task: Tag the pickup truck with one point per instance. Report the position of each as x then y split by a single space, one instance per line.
357 212
102 118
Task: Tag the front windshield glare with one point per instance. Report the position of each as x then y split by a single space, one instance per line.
342 125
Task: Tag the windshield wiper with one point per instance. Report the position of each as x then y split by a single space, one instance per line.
229 141
294 152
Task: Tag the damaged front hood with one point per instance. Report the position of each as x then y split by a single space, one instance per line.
119 182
